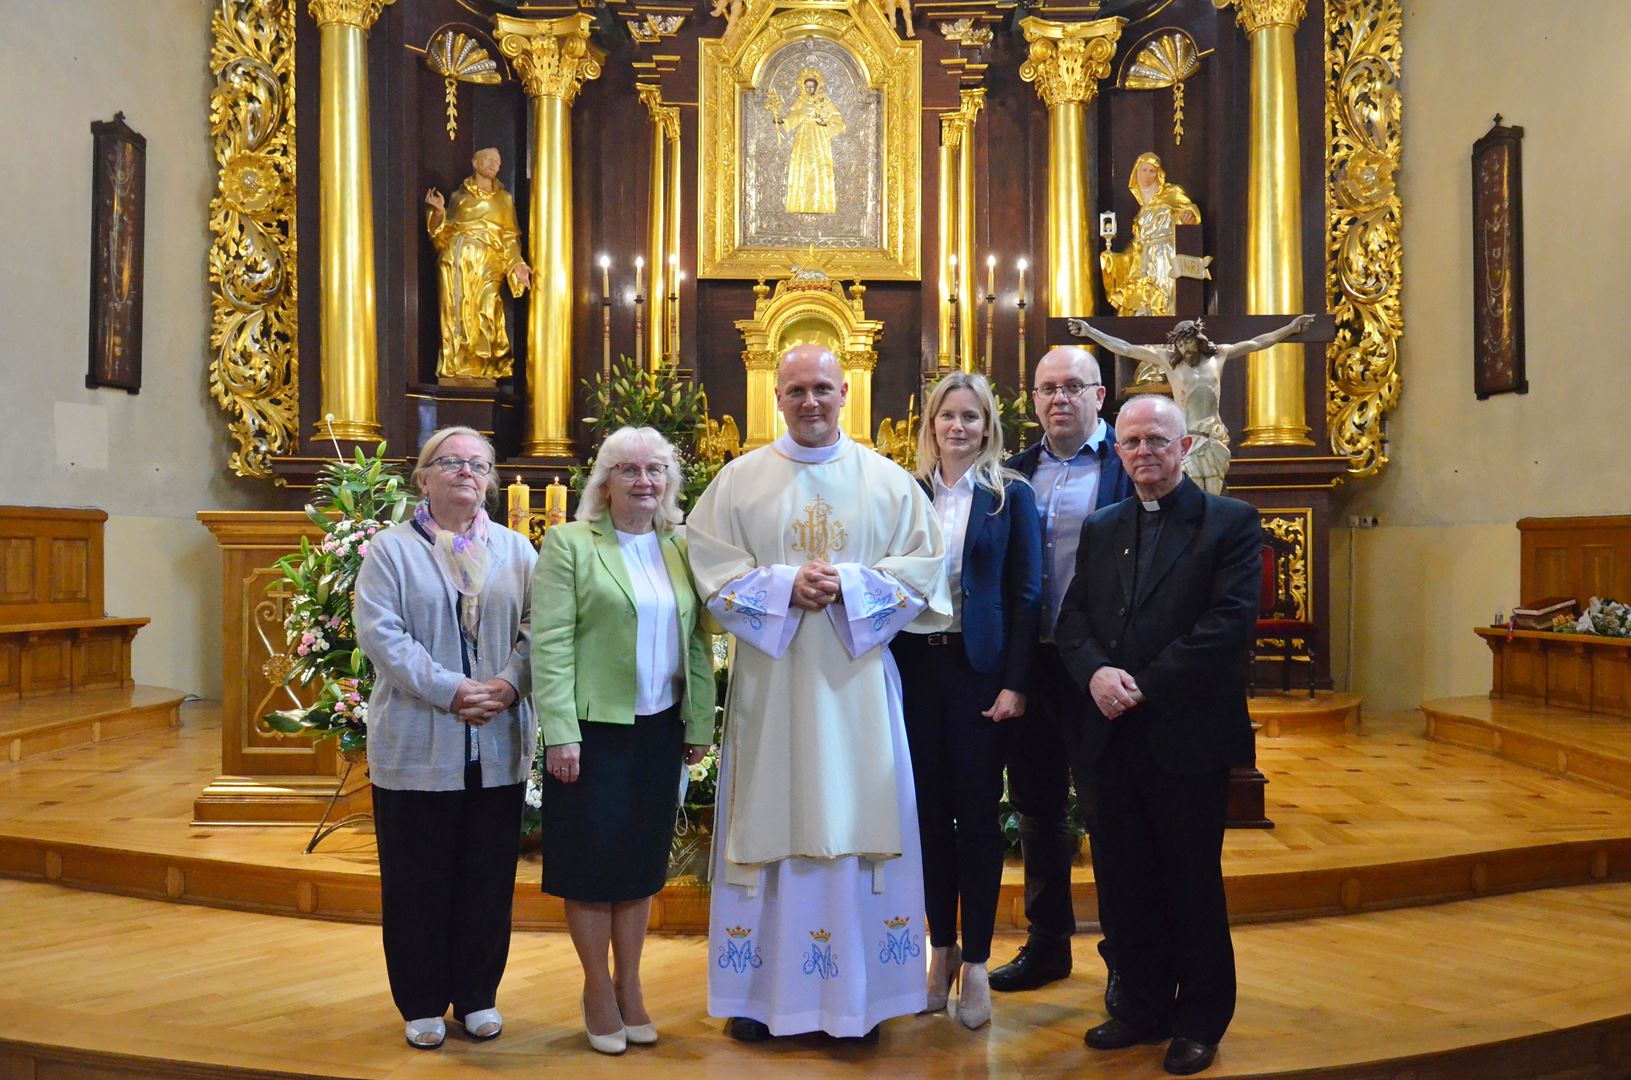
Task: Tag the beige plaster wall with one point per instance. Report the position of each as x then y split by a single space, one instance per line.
153 459
1463 471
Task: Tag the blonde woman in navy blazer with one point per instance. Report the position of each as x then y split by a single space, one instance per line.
623 681
962 685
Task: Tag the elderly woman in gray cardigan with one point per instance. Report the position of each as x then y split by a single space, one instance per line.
443 612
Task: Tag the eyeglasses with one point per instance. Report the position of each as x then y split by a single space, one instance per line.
451 465
632 472
1154 443
1071 390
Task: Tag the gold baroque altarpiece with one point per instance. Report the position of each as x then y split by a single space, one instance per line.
1365 254
254 365
874 230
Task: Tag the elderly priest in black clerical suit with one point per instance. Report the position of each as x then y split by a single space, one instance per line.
1155 628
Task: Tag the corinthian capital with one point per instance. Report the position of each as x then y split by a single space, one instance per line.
358 13
1068 60
552 57
1255 15
666 117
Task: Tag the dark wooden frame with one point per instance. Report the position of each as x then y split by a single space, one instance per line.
1497 263
118 229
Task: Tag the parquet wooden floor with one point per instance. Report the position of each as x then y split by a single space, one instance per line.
1502 987
1378 818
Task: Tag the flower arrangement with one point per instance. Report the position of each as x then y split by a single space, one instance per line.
630 395
1608 618
362 496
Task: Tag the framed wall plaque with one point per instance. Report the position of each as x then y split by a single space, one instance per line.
118 221
1497 263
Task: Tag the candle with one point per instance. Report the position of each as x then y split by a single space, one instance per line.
605 277
554 502
1022 265
990 275
520 505
639 271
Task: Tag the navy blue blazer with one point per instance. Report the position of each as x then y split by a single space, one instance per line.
1114 484
1002 583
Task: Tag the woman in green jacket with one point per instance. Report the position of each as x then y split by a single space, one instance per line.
624 688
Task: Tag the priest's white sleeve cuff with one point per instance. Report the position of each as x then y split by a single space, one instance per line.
876 607
755 608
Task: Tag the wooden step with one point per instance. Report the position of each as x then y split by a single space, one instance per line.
1503 988
42 725
1593 747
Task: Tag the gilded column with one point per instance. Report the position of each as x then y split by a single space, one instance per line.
552 58
350 351
657 217
967 301
1275 409
951 134
1066 62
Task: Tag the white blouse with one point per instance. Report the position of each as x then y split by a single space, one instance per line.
658 655
952 505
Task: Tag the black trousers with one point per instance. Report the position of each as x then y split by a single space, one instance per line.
957 757
447 877
1158 860
1044 753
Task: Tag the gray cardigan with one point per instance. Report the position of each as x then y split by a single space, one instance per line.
407 625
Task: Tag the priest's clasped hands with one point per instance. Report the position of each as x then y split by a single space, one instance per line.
1114 691
816 585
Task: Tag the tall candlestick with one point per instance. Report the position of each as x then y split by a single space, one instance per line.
605 316
674 316
639 273
639 307
990 275
605 276
990 312
1021 306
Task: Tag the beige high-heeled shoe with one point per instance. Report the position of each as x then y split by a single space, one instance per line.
615 1043
944 971
974 999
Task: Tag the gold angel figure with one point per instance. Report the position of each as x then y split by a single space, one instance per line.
812 119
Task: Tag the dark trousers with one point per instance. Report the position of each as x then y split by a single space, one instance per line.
957 757
1044 753
447 876
1158 860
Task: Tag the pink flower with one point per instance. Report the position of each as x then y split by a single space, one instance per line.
362 551
303 650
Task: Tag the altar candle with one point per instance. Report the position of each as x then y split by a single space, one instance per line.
990 275
520 505
639 271
1022 265
554 502
605 276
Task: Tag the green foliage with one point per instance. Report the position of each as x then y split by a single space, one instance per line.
362 496
1014 414
633 396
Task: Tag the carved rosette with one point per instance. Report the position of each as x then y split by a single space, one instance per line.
359 13
551 58
1255 15
1365 255
253 368
1067 61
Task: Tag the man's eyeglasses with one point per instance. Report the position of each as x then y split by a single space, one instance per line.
632 472
1155 443
451 465
1071 390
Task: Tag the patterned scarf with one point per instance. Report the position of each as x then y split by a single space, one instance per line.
463 562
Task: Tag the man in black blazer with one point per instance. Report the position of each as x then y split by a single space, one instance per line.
1074 471
1156 628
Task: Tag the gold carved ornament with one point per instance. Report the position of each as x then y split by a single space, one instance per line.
254 367
459 58
552 59
1163 62
1292 528
1254 15
1365 255
1067 61
358 13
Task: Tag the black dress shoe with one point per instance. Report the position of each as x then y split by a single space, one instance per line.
1115 995
747 1029
1116 1034
1033 967
1186 1056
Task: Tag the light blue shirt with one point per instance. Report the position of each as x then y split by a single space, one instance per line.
1067 490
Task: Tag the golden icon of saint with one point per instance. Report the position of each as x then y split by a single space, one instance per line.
813 120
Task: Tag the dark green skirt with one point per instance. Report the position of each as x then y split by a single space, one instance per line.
606 837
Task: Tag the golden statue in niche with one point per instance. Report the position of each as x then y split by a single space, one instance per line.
478 245
813 120
1140 280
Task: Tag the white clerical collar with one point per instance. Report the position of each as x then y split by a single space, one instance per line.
1152 505
789 447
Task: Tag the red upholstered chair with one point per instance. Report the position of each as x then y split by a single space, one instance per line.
1281 631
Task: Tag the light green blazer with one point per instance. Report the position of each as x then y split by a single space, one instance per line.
583 634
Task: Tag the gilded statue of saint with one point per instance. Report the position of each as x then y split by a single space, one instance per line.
813 120
478 246
1139 281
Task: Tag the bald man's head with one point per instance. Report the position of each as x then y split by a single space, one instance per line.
1068 393
1152 441
810 392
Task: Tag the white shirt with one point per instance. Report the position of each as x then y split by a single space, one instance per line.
952 506
657 654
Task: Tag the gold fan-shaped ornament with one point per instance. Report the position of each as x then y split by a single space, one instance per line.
458 58
1165 61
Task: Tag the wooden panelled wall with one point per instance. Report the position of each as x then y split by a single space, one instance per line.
1580 557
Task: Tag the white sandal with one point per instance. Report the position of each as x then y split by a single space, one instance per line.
425 1034
483 1024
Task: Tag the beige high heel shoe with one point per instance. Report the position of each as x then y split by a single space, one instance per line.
945 966
615 1043
974 999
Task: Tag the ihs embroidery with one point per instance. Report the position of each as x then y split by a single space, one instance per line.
819 535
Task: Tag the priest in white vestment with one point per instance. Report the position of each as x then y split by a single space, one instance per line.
814 552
